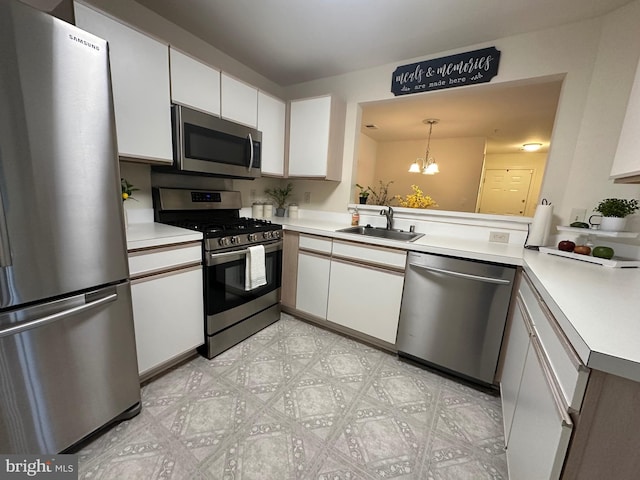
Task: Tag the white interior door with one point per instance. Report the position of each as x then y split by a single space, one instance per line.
505 191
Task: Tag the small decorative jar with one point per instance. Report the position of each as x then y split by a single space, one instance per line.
267 210
257 210
293 210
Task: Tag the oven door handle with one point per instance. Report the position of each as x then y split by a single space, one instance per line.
251 153
218 258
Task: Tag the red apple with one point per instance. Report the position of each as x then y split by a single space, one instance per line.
566 246
582 250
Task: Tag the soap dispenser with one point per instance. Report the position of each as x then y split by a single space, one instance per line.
355 218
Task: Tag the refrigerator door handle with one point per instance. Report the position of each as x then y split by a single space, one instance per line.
468 276
5 248
40 322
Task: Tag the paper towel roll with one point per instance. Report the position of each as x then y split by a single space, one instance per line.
539 228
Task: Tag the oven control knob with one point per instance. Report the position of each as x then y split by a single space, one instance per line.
223 241
276 234
234 240
266 234
252 237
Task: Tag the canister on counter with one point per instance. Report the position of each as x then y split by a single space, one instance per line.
267 210
257 210
293 210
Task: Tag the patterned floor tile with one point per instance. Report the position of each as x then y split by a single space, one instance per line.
267 449
204 422
296 401
315 403
147 453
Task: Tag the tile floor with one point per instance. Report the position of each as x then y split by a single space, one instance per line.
296 401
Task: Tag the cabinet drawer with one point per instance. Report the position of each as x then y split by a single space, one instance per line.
153 260
571 373
316 244
370 254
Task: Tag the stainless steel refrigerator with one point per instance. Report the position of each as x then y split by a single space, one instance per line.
67 348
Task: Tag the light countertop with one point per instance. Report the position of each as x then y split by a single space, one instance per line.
508 254
597 307
147 235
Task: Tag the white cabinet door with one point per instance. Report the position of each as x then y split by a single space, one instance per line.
168 316
626 162
194 84
541 429
316 133
365 299
313 283
517 348
140 78
271 122
239 101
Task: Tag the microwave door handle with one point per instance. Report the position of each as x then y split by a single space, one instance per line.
250 152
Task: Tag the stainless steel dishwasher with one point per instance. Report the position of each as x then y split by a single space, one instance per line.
453 314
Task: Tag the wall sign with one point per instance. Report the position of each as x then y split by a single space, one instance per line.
478 66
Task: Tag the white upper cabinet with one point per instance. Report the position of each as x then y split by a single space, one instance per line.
626 163
140 82
239 101
271 122
316 134
194 84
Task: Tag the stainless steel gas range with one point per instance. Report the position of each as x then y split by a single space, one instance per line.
232 312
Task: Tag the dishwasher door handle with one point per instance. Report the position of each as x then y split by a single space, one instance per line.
468 276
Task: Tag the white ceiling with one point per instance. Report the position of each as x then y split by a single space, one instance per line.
293 41
289 42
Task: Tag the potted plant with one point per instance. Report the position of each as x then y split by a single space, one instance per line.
280 196
364 194
381 195
614 212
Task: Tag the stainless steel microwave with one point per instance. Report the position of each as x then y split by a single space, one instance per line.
210 145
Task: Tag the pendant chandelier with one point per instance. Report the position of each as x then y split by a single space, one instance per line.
426 165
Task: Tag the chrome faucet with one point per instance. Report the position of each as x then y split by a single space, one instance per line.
389 214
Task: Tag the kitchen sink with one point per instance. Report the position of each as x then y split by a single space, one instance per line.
379 232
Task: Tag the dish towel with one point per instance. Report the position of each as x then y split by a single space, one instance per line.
255 268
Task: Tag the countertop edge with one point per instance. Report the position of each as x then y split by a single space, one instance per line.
504 254
149 235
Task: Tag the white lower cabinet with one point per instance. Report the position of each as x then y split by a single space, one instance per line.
541 428
515 357
313 283
365 298
535 378
166 290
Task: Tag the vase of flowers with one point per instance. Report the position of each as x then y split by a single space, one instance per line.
416 200
127 194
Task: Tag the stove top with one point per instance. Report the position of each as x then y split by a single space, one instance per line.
216 215
219 228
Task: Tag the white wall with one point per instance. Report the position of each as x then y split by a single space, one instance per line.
366 164
597 59
455 188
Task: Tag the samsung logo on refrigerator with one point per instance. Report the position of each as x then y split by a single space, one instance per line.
84 42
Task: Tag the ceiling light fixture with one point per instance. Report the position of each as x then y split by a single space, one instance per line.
531 147
426 165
